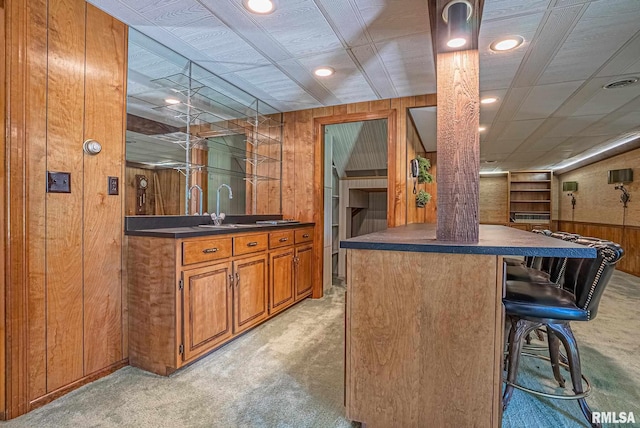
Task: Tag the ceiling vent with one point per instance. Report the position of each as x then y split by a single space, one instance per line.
621 83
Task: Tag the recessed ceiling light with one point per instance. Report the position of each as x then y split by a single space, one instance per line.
506 44
457 42
488 100
262 7
324 71
482 128
171 101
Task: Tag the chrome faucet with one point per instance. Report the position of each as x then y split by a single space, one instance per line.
218 217
200 200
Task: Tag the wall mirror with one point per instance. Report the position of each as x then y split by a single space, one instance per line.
189 132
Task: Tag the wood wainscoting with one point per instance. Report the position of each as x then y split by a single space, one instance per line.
627 236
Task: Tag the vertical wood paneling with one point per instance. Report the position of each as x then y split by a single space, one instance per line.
103 230
16 276
493 199
65 111
289 166
3 172
303 187
458 146
36 210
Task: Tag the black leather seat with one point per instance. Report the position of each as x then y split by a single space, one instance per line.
542 269
530 306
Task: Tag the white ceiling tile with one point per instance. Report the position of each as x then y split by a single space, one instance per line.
519 129
386 20
571 126
607 100
500 9
543 100
546 144
614 126
603 29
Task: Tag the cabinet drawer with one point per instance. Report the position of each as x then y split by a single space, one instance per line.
249 244
304 235
280 239
206 250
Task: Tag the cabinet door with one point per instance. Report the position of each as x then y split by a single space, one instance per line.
250 292
280 280
207 300
303 271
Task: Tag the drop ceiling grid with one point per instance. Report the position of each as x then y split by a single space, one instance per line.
601 31
548 40
348 84
409 61
498 9
220 44
543 100
497 69
300 29
387 20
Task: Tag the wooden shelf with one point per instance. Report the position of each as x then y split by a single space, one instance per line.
524 186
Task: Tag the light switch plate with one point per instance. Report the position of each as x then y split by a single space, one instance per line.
58 182
113 185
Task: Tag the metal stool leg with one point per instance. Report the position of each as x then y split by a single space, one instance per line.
519 329
554 355
563 330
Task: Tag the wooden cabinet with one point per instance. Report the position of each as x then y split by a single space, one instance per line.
207 301
303 264
530 197
189 296
281 294
250 292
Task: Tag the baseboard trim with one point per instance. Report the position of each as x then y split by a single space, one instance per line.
45 399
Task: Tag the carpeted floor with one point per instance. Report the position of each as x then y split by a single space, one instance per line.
289 373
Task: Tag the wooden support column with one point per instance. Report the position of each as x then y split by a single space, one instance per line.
458 141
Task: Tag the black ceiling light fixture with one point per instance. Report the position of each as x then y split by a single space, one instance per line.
457 15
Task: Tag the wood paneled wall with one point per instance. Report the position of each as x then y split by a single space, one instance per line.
494 193
302 175
628 237
165 191
597 201
428 214
66 82
3 148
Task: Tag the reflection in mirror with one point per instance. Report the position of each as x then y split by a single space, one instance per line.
189 130
421 141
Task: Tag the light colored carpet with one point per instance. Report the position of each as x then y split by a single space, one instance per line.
289 373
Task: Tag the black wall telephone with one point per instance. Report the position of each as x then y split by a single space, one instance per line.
414 166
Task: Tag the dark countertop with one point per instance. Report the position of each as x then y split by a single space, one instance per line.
494 240
193 231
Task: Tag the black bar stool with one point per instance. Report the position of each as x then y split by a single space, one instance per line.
531 305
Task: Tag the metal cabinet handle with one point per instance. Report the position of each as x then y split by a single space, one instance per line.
306 235
237 279
284 239
230 280
252 244
210 250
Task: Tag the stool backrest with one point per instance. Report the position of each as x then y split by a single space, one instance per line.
589 277
558 265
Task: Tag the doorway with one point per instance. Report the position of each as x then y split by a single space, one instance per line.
355 188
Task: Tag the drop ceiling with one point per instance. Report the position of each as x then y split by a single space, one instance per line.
551 106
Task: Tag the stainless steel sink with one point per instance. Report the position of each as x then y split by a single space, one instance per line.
227 226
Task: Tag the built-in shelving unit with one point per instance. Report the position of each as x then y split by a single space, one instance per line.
530 197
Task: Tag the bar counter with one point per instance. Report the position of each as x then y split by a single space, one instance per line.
425 323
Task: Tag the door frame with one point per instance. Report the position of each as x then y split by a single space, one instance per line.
318 176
